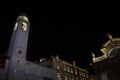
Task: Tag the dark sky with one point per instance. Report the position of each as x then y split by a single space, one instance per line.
70 34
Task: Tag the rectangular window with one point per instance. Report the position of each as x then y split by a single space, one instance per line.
64 68
58 76
58 66
68 69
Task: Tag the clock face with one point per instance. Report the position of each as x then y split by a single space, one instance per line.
20 52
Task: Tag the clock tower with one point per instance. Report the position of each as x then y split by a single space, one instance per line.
18 48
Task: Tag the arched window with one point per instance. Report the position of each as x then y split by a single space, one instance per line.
24 26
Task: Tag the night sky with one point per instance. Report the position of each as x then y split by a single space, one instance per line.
70 34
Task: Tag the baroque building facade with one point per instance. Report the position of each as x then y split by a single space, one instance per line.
107 66
65 70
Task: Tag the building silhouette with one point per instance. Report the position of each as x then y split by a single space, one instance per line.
14 66
65 70
107 66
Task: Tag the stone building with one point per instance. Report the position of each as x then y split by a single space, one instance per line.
13 65
65 70
107 66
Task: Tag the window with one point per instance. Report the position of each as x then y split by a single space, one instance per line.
66 78
58 76
80 74
24 26
68 68
87 75
76 71
71 70
64 68
58 66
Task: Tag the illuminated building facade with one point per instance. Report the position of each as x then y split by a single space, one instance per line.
15 66
107 66
65 70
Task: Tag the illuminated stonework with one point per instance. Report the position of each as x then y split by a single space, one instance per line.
65 70
22 21
110 49
107 66
24 26
24 18
16 25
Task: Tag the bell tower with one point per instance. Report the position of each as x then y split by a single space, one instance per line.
18 48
